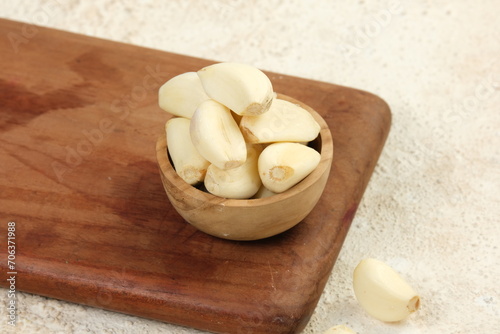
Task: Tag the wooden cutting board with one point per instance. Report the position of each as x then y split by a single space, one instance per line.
78 125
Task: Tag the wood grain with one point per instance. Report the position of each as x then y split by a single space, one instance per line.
78 126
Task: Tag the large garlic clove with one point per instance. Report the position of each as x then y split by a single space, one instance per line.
382 292
284 121
242 88
240 182
181 95
216 135
339 329
282 165
188 163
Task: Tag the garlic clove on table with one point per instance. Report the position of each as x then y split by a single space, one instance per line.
382 292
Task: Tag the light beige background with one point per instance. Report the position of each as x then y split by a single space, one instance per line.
432 207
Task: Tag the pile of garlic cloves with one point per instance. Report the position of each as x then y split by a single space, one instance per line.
232 134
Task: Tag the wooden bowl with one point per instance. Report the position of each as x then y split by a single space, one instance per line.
248 219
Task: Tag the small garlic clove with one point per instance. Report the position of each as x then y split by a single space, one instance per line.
283 165
216 135
181 95
242 88
283 122
339 329
238 183
263 193
382 292
188 163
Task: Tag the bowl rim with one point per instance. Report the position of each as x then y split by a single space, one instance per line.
326 154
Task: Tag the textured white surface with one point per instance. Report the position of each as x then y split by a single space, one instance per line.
431 209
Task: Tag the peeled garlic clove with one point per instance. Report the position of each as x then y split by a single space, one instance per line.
382 292
188 163
284 121
282 165
216 135
340 329
181 95
240 182
263 193
242 88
